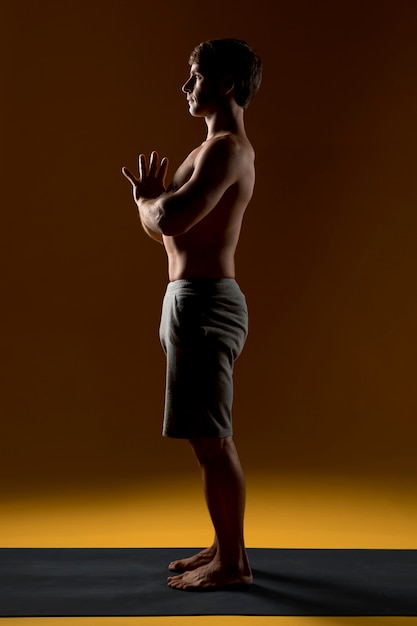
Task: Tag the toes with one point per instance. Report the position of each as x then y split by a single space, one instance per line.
176 566
177 582
172 579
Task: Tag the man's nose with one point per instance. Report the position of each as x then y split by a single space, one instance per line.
187 86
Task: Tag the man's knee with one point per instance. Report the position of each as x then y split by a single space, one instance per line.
208 449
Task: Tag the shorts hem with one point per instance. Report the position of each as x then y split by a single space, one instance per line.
220 435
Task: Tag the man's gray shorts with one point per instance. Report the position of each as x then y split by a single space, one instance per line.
204 325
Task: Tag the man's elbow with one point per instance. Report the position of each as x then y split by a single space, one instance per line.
169 226
173 218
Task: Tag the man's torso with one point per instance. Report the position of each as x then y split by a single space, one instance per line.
208 248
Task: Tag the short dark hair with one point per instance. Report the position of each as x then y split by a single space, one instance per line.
221 57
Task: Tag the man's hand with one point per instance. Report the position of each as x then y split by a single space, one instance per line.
151 181
147 189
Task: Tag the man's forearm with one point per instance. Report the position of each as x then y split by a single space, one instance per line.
152 234
150 212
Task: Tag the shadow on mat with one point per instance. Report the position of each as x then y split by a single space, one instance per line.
301 595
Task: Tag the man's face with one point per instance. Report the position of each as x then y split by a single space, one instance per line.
202 92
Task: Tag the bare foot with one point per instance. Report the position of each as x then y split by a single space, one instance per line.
193 562
211 576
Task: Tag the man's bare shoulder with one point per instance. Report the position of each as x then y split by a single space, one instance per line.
227 152
221 150
228 144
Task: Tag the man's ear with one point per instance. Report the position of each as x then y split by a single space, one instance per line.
228 83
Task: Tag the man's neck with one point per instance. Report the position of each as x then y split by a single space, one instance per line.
229 120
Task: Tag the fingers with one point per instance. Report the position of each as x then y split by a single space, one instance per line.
153 164
163 171
129 176
143 173
153 172
153 167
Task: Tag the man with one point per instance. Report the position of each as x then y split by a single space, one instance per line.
204 315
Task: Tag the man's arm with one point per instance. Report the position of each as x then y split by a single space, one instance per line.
151 233
174 213
149 185
215 170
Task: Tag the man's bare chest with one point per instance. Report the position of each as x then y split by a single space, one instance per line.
185 170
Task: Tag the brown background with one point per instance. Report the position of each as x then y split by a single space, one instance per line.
327 258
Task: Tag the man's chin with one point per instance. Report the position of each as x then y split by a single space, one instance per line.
194 111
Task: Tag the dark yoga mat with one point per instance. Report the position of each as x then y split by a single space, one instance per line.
54 582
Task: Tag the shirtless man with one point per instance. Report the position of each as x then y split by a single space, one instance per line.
204 317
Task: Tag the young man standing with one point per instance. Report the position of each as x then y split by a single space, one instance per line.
204 315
